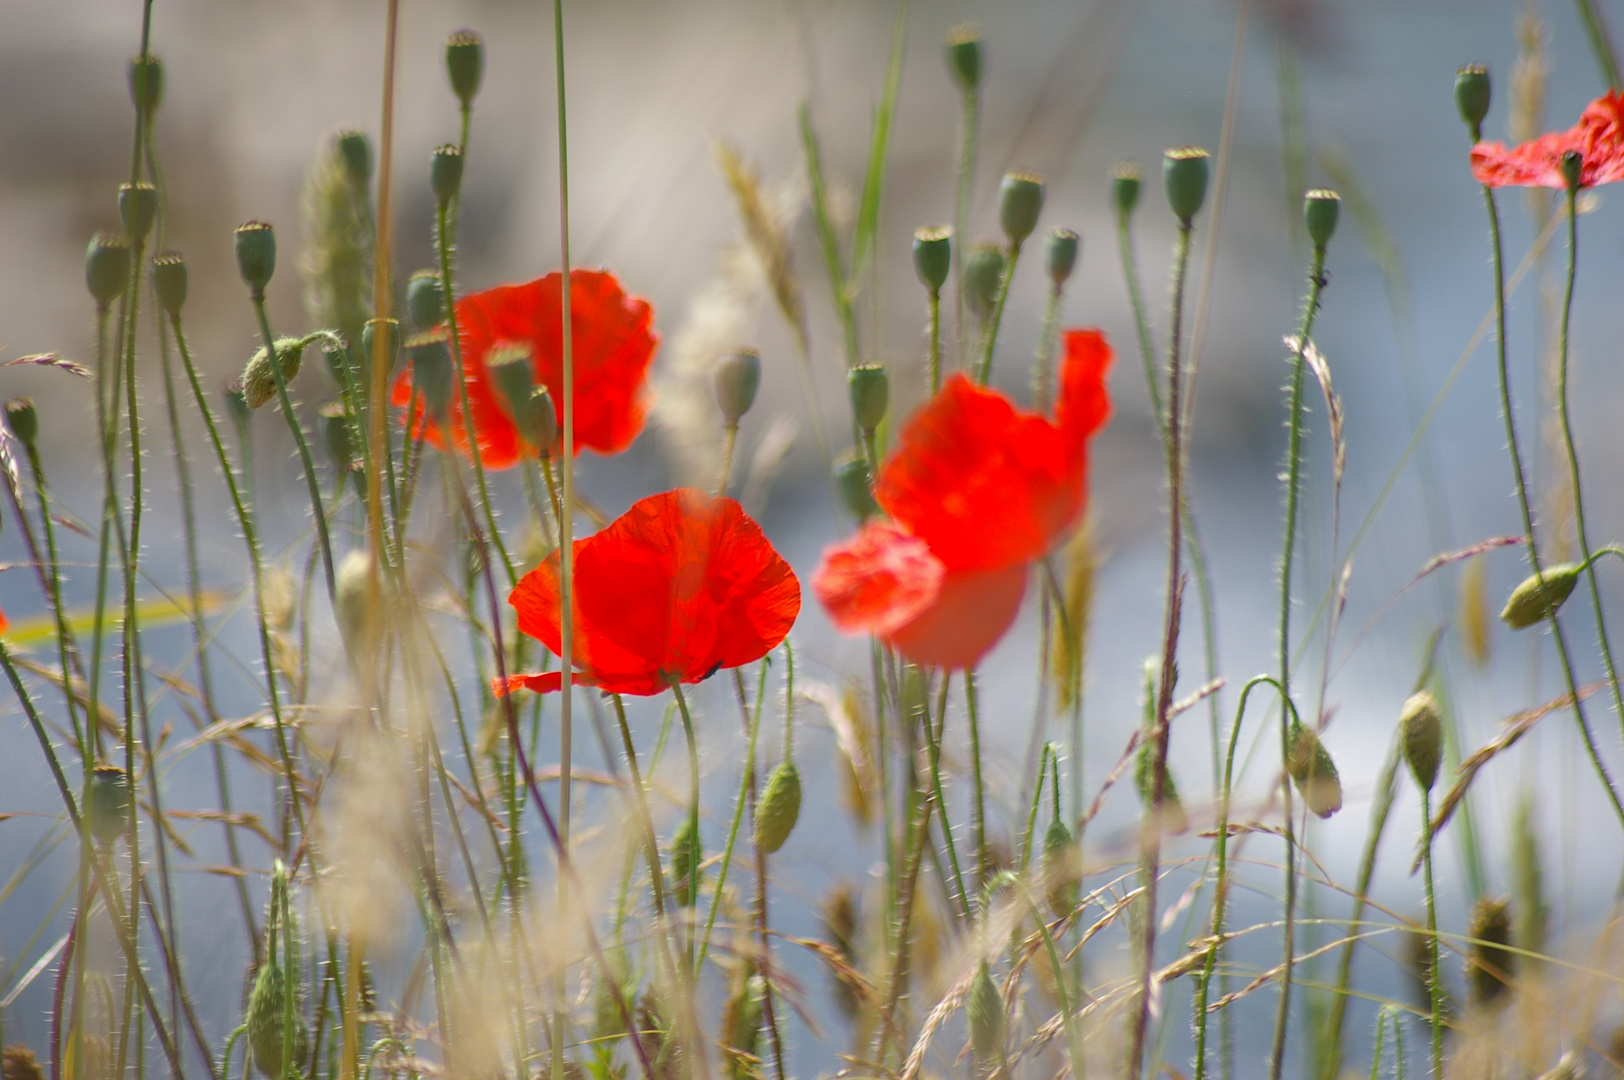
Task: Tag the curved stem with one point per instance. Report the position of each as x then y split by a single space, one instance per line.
989 335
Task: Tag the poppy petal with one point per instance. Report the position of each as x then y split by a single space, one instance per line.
1598 137
972 611
878 581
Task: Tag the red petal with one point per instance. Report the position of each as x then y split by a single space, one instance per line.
971 612
1598 137
1085 404
878 581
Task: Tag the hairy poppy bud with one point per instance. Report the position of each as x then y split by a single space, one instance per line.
391 341
445 173
337 357
1320 209
335 433
107 268
1170 811
169 282
267 1019
1490 963
356 153
853 479
465 64
256 254
964 56
1020 201
259 379
1420 732
983 273
736 377
23 420
425 300
1060 256
1061 869
741 1016
870 390
1540 595
146 83
1312 770
108 803
1125 181
686 855
779 807
1184 172
431 371
986 1013
933 256
1472 97
137 208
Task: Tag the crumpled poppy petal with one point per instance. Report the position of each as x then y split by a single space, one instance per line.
1084 405
1598 137
972 611
878 581
545 682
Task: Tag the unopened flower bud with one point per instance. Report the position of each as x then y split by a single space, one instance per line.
1472 94
511 365
1573 167
356 153
1061 868
1020 202
390 328
267 1018
107 268
686 855
539 424
256 254
169 282
1060 256
445 173
779 807
870 390
352 599
1184 172
108 803
23 420
431 372
425 300
337 358
964 56
335 433
933 256
983 273
986 1014
259 378
736 377
137 208
1170 811
1539 596
1320 210
465 64
1312 770
856 487
1490 963
1125 182
1421 737
146 83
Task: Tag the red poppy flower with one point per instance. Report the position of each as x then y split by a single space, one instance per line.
678 586
975 491
1598 137
612 344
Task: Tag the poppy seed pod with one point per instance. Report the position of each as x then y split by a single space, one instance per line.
511 366
1184 173
445 173
983 273
137 208
146 83
335 433
109 803
1061 869
933 256
1320 210
1020 202
258 378
431 371
1540 595
1472 93
465 64
1573 166
1421 737
356 153
779 807
107 268
425 300
1490 963
391 342
23 420
1312 770
256 254
856 486
736 378
686 855
539 424
1060 256
986 1014
1125 182
870 391
964 56
169 282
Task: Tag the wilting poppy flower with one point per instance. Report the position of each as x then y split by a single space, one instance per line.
975 491
1598 137
612 343
680 585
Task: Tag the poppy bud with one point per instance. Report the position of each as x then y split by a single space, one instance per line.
1420 732
259 380
1125 180
741 1017
256 254
465 64
1489 960
1312 770
23 420
236 402
1020 201
933 256
335 432
511 364
1573 167
391 341
337 358
169 282
1540 595
146 83
356 153
737 376
107 268
431 371
539 424
1320 209
686 855
986 1013
108 803
445 173
964 56
779 807
1472 97
1061 869
983 273
1184 173
870 390
352 597
137 208
425 300
1170 812
855 482
267 1019
1060 256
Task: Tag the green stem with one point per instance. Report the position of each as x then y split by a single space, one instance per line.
989 334
1435 977
745 781
969 125
979 806
1147 351
933 743
935 369
693 804
1600 42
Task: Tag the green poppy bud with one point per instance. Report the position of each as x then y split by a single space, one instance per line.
1573 167
425 300
1320 209
1060 256
933 256
1020 202
432 372
736 378
465 64
741 1018
267 1019
256 255
355 151
779 807
146 83
870 390
445 173
539 425
686 855
1170 812
1125 181
23 420
1472 94
1061 868
983 273
259 380
1540 595
337 358
986 1013
137 208
391 342
964 56
169 282
108 805
1312 770
335 433
1490 963
856 487
107 268
511 366
1184 173
1421 738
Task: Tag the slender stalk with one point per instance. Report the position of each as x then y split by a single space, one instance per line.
933 743
989 333
935 369
969 127
1435 982
978 822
